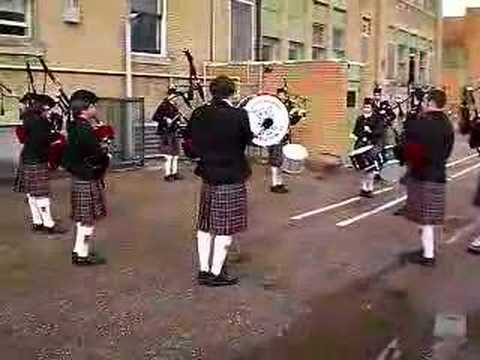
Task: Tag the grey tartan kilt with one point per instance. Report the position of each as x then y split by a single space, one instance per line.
88 201
275 155
32 179
169 145
426 202
223 209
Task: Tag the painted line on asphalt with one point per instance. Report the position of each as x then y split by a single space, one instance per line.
391 351
392 203
358 198
461 233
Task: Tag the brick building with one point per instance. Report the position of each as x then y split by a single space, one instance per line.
461 60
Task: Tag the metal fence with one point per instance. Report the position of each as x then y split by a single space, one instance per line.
126 116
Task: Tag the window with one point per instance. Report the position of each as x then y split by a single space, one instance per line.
351 98
318 35
270 49
402 64
13 18
241 48
338 39
391 52
422 74
366 26
295 51
319 53
149 26
71 11
365 43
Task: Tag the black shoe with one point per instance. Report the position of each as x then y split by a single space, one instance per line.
222 280
169 178
74 257
91 259
366 194
55 229
38 228
177 177
474 250
418 258
279 189
204 277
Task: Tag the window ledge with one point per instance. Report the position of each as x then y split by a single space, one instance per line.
19 46
154 59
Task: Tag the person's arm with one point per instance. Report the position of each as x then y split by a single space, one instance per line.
358 128
194 131
90 145
450 140
247 135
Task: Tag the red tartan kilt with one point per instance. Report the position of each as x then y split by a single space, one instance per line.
223 209
88 201
32 179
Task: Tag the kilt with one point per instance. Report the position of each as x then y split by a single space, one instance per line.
32 179
223 209
426 202
88 201
169 145
275 155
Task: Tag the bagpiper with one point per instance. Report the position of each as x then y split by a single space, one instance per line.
37 134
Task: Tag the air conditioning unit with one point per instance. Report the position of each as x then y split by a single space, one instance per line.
71 13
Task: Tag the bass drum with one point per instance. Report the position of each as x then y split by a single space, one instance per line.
268 117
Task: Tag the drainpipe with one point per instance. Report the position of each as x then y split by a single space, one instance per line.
212 30
258 27
128 54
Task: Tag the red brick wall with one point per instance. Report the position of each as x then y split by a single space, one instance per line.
325 85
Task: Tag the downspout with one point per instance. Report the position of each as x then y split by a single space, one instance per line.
258 27
212 30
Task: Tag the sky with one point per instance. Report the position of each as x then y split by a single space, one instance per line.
457 7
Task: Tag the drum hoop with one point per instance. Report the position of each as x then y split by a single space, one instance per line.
361 150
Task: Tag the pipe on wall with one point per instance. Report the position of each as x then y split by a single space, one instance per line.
258 28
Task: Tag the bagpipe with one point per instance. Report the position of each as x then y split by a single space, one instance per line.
58 141
469 123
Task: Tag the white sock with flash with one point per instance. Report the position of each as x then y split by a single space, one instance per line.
174 165
43 204
79 247
428 241
276 176
34 210
168 165
221 246
204 241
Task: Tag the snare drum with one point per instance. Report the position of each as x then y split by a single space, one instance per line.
294 156
388 154
365 158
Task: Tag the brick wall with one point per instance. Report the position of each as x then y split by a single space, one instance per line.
323 82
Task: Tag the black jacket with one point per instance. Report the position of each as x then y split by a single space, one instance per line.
220 134
369 131
38 138
432 134
84 157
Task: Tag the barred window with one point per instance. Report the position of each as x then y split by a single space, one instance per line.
148 27
366 26
295 51
270 48
318 35
391 52
338 38
13 17
241 31
319 53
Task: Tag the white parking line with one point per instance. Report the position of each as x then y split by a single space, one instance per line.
461 233
392 203
391 351
358 198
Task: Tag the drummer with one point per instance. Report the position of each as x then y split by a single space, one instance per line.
368 130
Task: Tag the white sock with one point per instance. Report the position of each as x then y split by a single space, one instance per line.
370 181
168 165
88 231
174 165
220 253
276 176
428 241
43 204
79 247
34 210
476 242
204 241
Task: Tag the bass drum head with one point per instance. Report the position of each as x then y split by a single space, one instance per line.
392 171
295 152
266 107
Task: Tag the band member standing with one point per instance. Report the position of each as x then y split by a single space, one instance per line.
275 154
168 117
220 134
368 130
428 144
33 173
87 162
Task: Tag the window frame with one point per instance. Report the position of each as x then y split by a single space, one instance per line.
297 46
163 34
391 45
27 24
253 5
